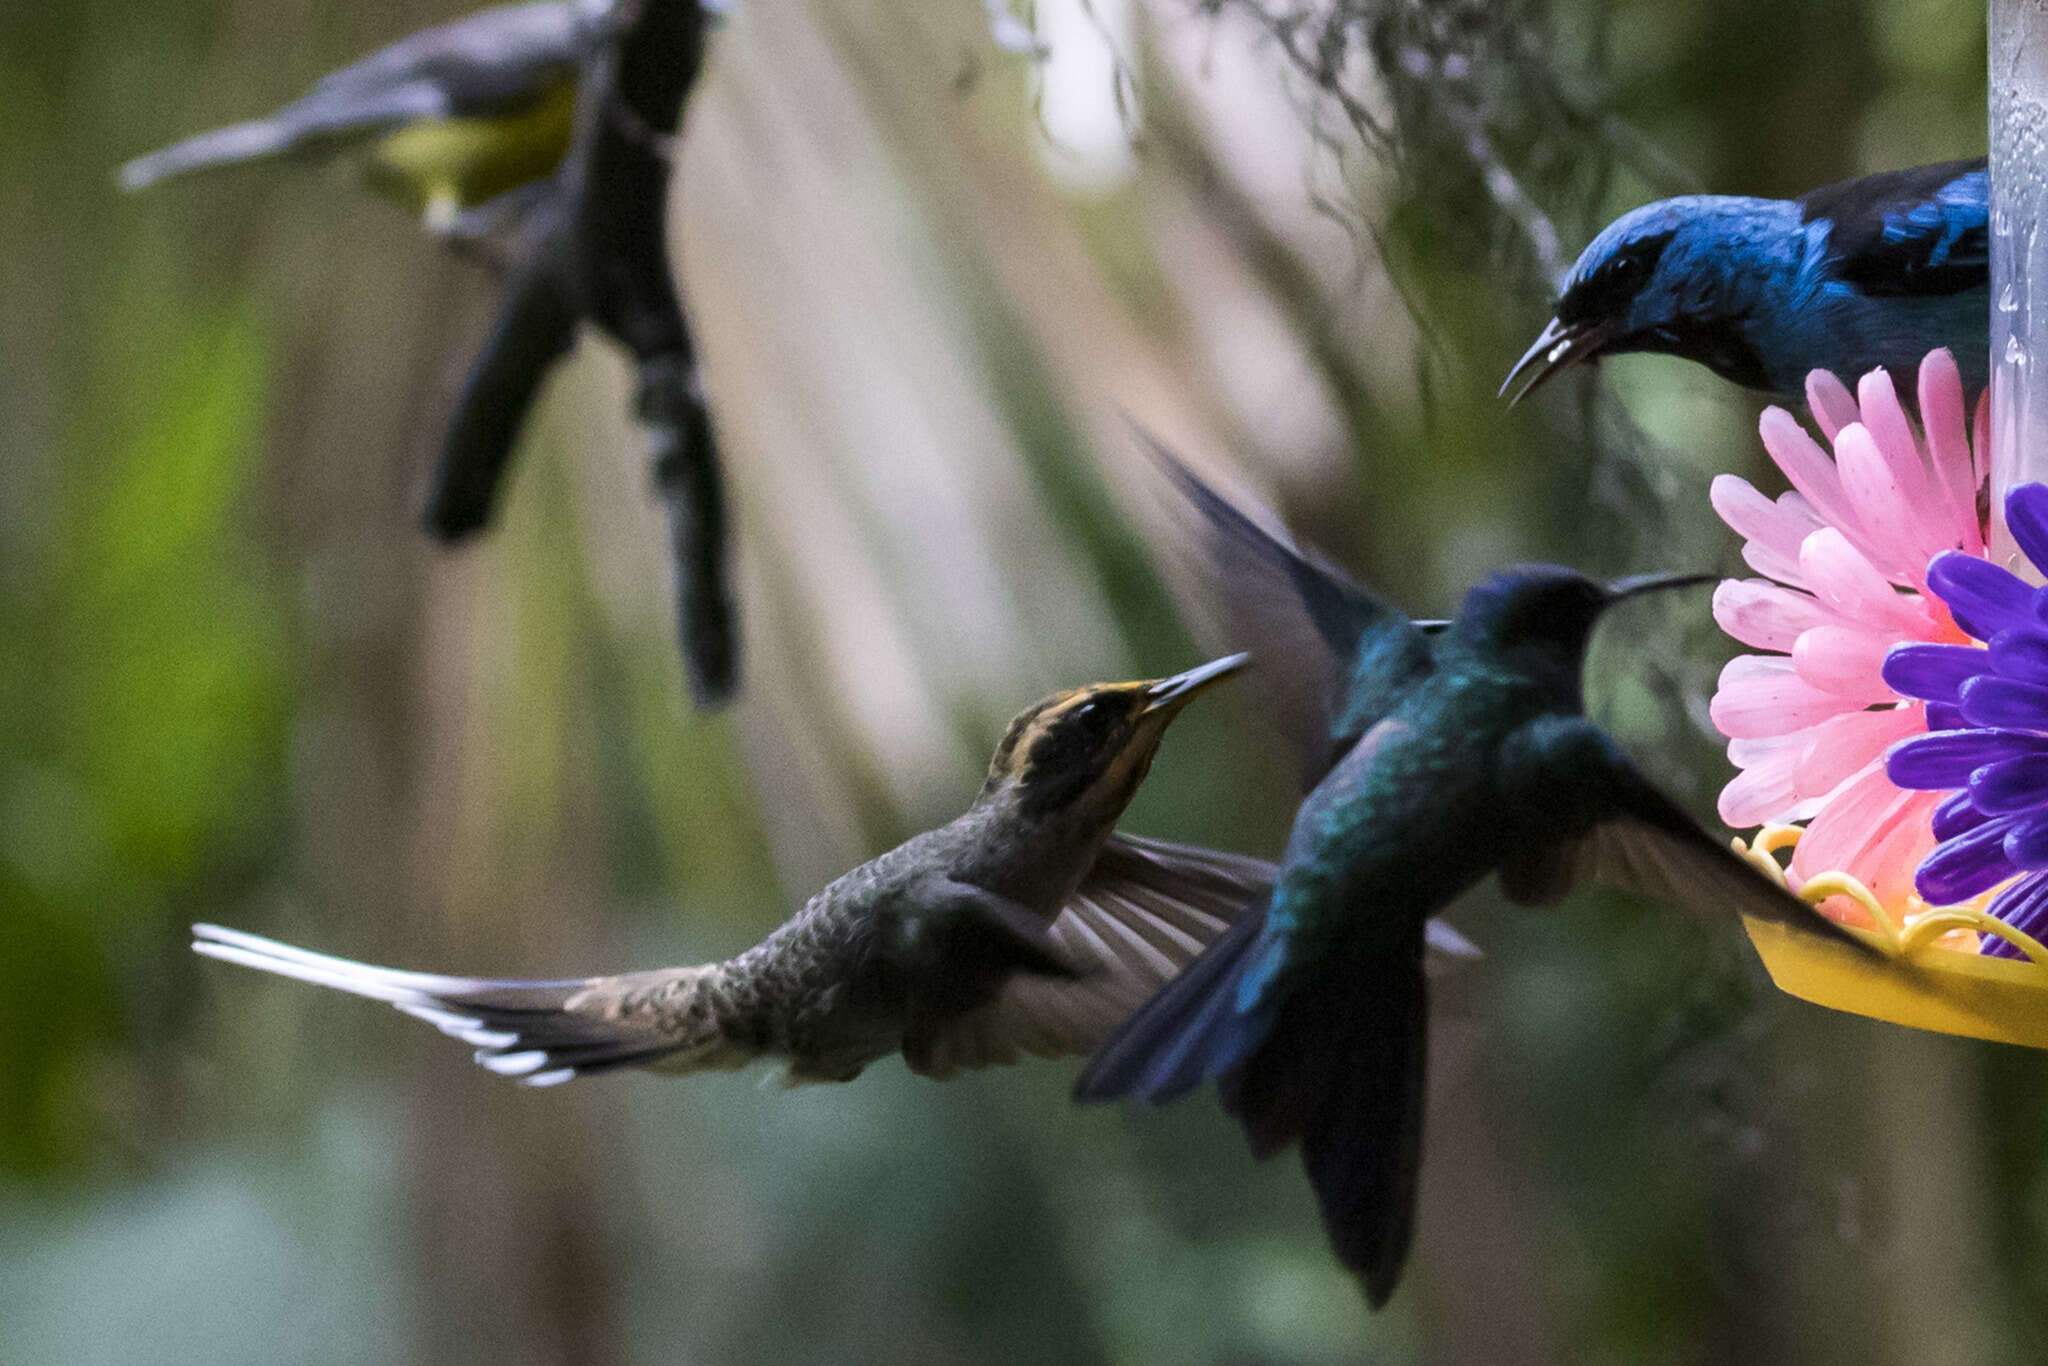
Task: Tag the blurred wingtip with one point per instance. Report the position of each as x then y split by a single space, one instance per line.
1168 460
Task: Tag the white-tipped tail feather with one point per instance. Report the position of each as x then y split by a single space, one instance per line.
540 1033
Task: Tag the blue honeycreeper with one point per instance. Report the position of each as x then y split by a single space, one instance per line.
1871 272
1436 753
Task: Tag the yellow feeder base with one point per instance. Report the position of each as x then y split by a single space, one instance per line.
1919 982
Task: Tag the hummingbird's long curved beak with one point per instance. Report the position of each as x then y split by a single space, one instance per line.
1635 585
1176 692
1557 348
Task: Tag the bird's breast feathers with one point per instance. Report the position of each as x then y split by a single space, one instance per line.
463 162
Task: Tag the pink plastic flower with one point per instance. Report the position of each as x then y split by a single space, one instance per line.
1844 559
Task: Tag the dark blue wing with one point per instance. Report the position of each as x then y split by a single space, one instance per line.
1923 231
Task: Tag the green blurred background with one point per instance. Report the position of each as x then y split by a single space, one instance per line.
931 278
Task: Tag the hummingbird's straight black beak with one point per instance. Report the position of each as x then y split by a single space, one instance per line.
1557 348
1635 585
1176 691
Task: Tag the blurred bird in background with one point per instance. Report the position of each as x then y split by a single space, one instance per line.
1866 273
445 120
546 133
1025 925
1436 754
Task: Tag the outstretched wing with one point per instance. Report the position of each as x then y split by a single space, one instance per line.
1144 911
1923 231
1305 622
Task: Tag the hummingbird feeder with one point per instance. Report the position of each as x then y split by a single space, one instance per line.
1875 780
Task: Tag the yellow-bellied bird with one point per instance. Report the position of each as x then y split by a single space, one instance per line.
445 120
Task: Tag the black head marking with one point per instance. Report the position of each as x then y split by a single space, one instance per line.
1071 745
1719 342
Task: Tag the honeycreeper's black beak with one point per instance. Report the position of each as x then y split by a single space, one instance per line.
1177 691
1635 585
1559 347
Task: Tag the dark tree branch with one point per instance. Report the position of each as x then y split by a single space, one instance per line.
595 248
535 327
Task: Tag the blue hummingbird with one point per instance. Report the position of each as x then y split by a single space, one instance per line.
1871 272
1435 753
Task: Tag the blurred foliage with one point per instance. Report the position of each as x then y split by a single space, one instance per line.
932 279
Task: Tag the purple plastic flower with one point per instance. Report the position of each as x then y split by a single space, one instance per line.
1987 716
